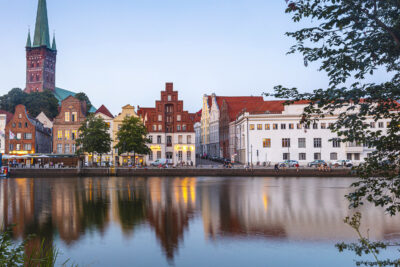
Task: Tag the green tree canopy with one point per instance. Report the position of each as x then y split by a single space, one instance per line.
132 137
34 102
83 97
93 136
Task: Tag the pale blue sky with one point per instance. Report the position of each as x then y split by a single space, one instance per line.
123 51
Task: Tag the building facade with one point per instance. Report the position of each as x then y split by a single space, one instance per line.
276 137
170 129
45 120
5 117
26 135
126 158
108 118
40 55
66 125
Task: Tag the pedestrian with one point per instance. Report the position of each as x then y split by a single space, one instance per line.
276 168
297 167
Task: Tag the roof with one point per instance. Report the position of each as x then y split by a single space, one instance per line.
42 36
104 111
220 99
62 94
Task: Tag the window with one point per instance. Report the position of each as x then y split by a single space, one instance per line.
306 126
189 155
73 149
26 125
275 126
74 134
28 147
74 116
380 124
388 124
14 125
302 156
349 156
330 125
168 155
158 139
59 135
302 143
291 126
267 127
333 156
299 126
189 139
315 126
336 142
180 155
154 127
19 136
356 156
323 125
169 140
317 156
28 136
151 155
159 117
178 128
285 142
151 139
11 147
66 149
251 127
19 125
169 98
184 128
20 115
267 142
178 118
160 127
283 126
317 142
259 127
180 139
372 124
18 147
286 156
66 116
66 135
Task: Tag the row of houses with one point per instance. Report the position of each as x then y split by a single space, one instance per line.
251 130
170 130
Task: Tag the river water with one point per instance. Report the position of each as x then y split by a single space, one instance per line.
191 221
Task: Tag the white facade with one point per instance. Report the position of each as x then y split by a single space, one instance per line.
3 122
106 158
47 123
176 148
197 133
274 138
214 149
205 126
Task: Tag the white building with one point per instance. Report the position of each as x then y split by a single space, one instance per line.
108 118
214 149
47 123
3 122
277 137
197 133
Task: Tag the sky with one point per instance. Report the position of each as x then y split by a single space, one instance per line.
124 51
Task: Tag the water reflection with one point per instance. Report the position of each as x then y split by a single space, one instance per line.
281 209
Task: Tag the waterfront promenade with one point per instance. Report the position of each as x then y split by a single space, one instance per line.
177 172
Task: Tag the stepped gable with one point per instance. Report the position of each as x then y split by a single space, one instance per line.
104 111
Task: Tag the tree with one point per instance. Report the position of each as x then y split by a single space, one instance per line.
83 97
351 41
132 137
35 102
93 137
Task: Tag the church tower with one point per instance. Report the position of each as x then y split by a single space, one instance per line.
40 56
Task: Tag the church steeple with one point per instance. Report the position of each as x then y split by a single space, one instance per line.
28 41
54 46
42 36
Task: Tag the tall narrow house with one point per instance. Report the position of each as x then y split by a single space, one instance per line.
41 55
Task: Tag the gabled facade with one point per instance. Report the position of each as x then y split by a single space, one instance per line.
123 159
5 117
108 118
26 135
66 125
45 120
170 128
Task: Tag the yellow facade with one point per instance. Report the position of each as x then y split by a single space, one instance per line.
127 111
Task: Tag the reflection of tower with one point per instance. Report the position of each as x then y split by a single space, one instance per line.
171 206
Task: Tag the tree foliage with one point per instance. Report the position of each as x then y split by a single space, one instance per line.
34 102
93 136
132 137
351 40
83 97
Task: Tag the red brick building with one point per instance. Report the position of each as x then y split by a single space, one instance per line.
40 56
66 125
26 135
170 128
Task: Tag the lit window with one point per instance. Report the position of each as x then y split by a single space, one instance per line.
275 126
59 135
74 116
67 135
267 127
259 126
267 142
74 134
67 119
291 126
251 127
299 126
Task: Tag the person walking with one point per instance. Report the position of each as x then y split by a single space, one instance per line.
276 168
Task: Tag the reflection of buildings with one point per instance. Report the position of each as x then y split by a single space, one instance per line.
285 208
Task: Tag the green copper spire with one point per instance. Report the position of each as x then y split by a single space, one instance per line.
54 46
29 42
42 36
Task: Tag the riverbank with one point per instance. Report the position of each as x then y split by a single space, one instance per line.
182 172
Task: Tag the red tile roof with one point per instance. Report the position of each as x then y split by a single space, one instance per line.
104 111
